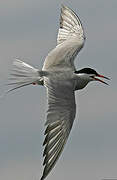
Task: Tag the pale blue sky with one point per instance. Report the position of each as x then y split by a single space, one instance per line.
28 30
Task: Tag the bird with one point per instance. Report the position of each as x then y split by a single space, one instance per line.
61 79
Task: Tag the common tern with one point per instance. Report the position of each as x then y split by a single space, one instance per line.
61 80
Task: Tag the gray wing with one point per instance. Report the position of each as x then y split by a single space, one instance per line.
70 25
70 41
60 117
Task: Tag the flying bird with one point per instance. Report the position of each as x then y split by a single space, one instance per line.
61 80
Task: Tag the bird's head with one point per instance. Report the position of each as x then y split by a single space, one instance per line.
88 74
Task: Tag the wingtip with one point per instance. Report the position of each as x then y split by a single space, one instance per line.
62 5
65 7
42 178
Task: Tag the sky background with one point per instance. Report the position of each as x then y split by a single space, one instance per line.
28 30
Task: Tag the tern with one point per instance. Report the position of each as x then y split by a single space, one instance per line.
61 80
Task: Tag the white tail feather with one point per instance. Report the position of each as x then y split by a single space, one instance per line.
22 74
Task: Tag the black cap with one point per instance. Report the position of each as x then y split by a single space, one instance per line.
87 71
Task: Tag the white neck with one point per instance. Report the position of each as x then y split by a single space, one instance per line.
82 80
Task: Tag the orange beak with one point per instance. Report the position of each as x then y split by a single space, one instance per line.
101 76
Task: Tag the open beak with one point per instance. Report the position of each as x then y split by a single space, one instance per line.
101 76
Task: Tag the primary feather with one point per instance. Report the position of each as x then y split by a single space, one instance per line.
70 41
60 116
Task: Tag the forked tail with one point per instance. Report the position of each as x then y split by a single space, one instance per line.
22 74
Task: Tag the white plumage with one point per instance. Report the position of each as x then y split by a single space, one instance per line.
61 79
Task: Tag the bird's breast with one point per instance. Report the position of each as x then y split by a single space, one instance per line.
61 79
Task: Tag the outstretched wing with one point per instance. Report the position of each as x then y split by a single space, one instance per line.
70 25
70 41
60 117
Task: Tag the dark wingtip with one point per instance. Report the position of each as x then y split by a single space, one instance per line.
42 178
